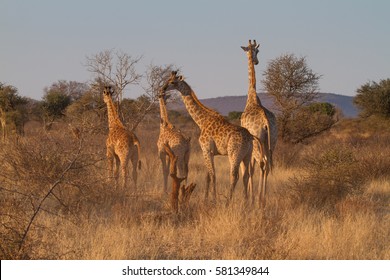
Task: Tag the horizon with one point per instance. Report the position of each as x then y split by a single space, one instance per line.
46 41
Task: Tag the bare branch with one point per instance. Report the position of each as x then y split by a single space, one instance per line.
117 69
52 188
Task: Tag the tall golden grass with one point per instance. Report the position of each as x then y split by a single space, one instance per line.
329 199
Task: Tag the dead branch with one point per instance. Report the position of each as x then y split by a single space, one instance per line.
52 188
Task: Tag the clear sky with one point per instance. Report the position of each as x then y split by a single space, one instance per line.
43 41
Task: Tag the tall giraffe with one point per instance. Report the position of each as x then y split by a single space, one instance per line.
172 137
122 145
217 137
260 122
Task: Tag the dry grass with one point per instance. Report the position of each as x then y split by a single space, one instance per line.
327 201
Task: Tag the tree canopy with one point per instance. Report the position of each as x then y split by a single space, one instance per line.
374 99
294 88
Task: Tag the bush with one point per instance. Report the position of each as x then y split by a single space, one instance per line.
328 177
309 121
42 178
234 115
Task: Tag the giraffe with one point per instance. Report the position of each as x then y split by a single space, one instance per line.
179 144
217 137
121 144
260 122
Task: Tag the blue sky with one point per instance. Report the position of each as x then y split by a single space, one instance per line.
43 41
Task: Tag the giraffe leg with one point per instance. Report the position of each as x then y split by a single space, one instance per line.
255 190
247 175
233 179
125 173
115 163
246 178
209 161
123 163
263 184
265 187
134 174
251 189
180 167
165 169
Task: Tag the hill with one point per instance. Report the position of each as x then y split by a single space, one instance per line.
227 104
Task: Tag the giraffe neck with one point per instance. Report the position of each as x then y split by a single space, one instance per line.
113 117
252 99
251 72
164 113
198 112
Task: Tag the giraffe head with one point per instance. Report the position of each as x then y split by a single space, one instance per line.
108 91
175 82
163 95
253 50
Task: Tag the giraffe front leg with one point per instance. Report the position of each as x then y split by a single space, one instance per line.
210 181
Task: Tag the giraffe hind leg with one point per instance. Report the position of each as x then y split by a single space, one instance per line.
263 185
165 169
113 166
134 173
233 180
247 177
122 164
115 172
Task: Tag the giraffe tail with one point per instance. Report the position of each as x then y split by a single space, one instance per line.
137 143
263 150
271 165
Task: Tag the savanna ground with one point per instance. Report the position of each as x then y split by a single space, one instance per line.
328 199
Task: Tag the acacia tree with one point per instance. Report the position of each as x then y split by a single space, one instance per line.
115 68
293 86
374 98
74 90
58 97
13 114
145 104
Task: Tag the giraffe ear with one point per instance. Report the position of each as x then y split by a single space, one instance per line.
181 78
245 48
